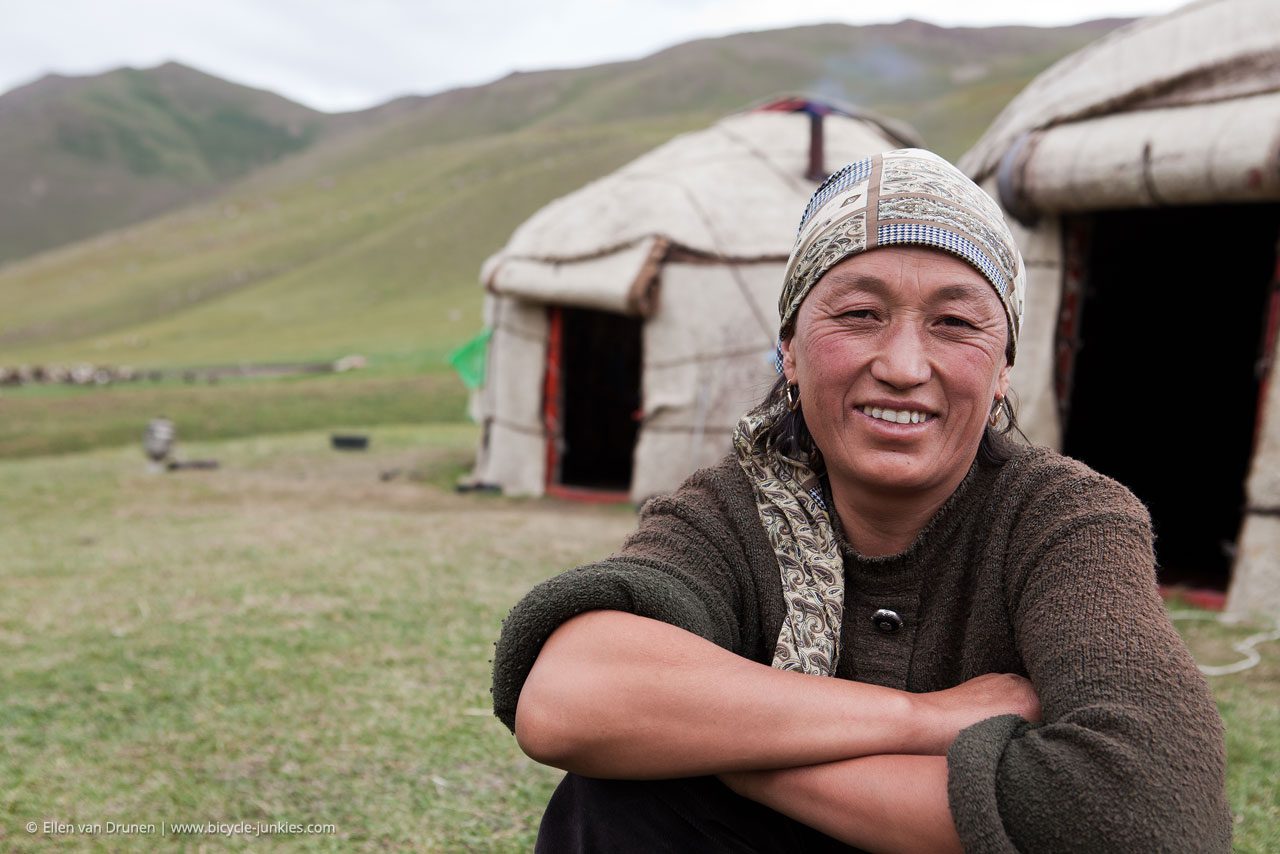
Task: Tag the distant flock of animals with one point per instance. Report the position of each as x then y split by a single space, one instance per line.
87 374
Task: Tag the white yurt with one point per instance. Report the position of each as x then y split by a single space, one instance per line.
632 320
1144 171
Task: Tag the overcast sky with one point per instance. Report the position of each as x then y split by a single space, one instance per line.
337 55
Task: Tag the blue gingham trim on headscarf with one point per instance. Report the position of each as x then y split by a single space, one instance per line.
929 235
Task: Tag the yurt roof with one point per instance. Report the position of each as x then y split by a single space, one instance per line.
1183 106
733 192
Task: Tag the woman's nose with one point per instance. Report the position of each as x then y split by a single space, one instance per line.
901 361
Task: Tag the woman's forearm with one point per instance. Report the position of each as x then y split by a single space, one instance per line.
877 803
614 695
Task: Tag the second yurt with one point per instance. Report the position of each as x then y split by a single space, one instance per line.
1144 171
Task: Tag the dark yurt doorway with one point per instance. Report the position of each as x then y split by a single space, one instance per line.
592 402
1161 348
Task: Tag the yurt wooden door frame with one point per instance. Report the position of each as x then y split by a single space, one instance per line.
1166 335
591 403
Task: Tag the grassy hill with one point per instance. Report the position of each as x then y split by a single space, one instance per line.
81 154
370 240
342 252
336 253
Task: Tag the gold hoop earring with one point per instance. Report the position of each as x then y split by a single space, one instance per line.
995 412
793 397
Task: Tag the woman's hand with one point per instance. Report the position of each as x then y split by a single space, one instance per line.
947 712
951 711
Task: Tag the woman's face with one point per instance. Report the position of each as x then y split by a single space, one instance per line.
911 330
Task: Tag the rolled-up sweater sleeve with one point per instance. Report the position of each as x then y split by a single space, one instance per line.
1130 756
683 566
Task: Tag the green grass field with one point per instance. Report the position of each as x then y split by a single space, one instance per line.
288 638
293 638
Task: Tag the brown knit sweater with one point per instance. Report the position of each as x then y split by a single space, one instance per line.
1040 566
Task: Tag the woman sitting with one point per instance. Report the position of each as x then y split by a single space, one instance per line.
1005 676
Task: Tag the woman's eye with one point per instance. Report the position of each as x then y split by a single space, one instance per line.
958 322
859 314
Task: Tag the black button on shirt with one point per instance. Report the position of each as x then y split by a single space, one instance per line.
886 621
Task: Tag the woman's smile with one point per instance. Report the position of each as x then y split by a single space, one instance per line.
902 422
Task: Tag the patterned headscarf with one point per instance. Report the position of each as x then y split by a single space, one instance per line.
908 196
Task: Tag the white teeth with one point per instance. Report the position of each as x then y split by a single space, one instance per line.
897 416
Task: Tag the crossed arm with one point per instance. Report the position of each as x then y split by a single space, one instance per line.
613 694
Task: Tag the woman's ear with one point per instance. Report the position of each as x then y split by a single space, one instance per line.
788 360
1002 381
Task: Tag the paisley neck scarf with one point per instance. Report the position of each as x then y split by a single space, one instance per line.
908 196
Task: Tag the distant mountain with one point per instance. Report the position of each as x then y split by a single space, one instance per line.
82 154
371 239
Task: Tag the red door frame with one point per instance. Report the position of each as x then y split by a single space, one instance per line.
553 423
